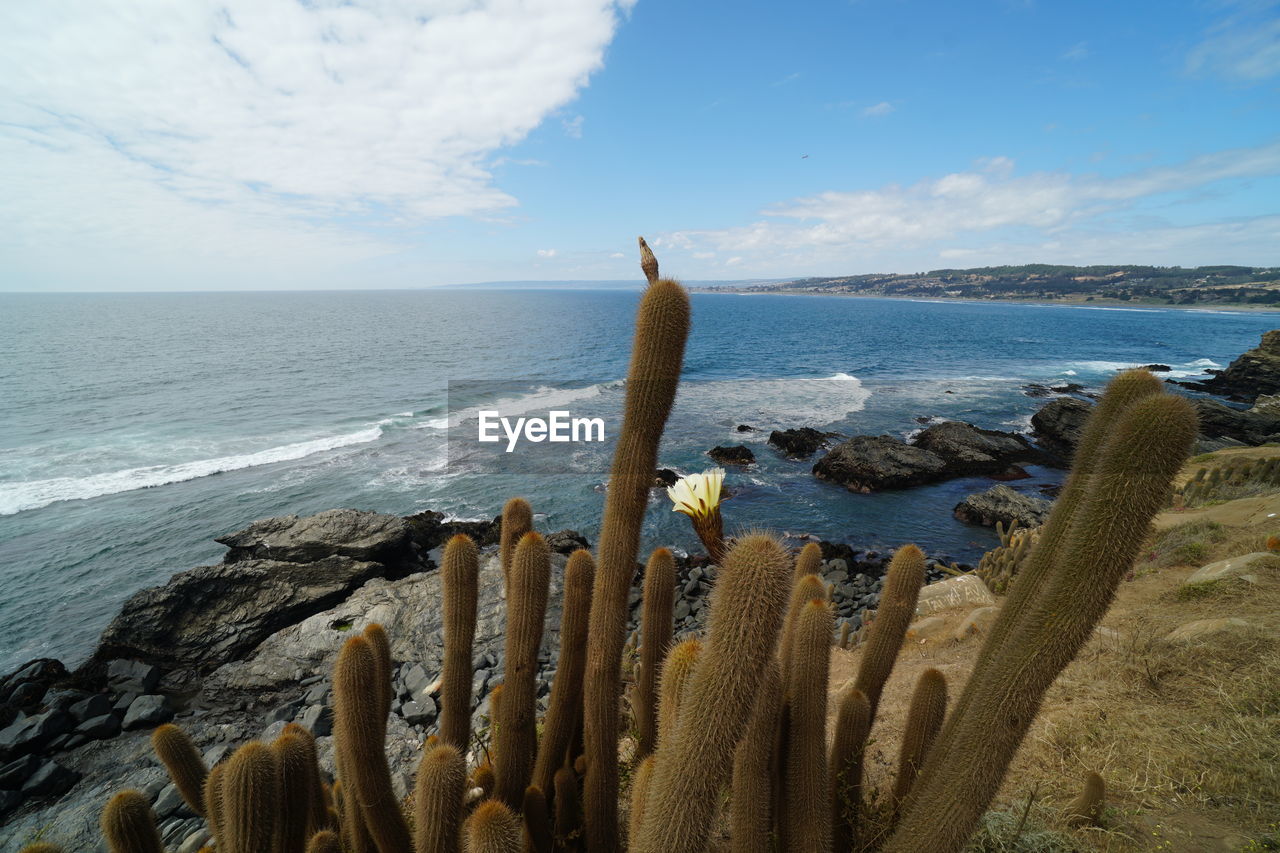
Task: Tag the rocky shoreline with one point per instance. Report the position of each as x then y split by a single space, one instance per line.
237 649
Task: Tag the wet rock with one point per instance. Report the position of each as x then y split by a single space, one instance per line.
868 463
1002 504
736 455
665 478
430 530
1057 425
799 443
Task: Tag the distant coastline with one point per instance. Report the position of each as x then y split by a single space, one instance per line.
1101 303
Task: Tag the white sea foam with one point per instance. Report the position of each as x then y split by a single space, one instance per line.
790 402
17 497
1179 371
543 398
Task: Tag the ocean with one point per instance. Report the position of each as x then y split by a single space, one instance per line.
136 427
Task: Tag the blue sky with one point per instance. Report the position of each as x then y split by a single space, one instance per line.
394 143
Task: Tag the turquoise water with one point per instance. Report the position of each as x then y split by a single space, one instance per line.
135 428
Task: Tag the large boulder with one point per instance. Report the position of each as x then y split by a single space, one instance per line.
798 443
209 615
1251 427
738 454
1002 504
1255 372
353 533
867 463
1058 424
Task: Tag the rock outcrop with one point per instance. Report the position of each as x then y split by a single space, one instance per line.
738 454
1002 504
1247 426
799 443
1253 373
359 535
1057 425
868 463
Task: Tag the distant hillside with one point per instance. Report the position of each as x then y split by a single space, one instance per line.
636 284
1219 285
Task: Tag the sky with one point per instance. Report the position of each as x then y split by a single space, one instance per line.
279 144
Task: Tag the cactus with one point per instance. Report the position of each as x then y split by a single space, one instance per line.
183 761
747 605
806 588
568 810
299 791
324 841
359 734
853 725
675 672
657 354
492 828
129 825
1094 539
459 577
658 624
808 813
924 719
517 520
809 560
251 799
537 821
1001 564
1086 809
529 582
897 609
213 799
564 713
752 800
639 793
41 847
308 759
437 800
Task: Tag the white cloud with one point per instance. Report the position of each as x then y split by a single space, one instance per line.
1045 209
881 109
546 253
617 255
1245 45
245 125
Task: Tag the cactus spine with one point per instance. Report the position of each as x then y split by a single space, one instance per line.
809 560
299 789
853 725
437 800
752 801
746 613
808 812
806 588
639 793
924 719
183 761
492 828
1086 809
459 578
517 520
675 672
310 762
1129 482
529 581
897 608
657 354
564 713
359 737
213 800
129 825
251 794
658 625
324 841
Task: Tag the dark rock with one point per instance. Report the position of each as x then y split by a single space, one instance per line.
209 615
1003 504
968 449
100 728
419 713
1157 368
1013 472
1252 427
131 676
1035 389
1254 373
798 443
745 428
9 800
868 463
18 771
430 530
90 707
355 534
737 455
31 734
665 478
27 694
318 719
1058 424
51 780
147 712
566 541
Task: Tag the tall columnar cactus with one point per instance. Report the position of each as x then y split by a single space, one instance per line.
538 837
251 799
1130 476
459 577
746 613
359 734
308 759
568 811
675 673
492 828
639 794
924 719
183 761
529 581
437 800
381 645
657 354
897 609
129 825
213 800
809 560
853 725
752 800
658 626
806 588
299 789
517 520
808 811
564 713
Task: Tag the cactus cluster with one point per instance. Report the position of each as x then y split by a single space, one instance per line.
1232 478
743 709
999 565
